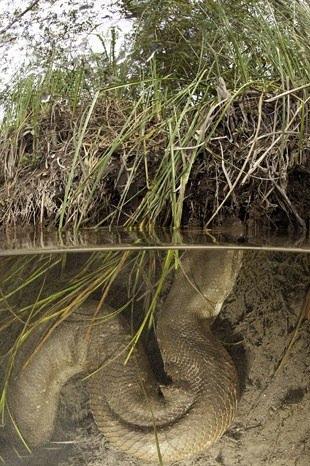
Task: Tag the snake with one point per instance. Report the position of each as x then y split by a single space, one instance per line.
137 414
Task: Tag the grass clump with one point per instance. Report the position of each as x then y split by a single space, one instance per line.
162 143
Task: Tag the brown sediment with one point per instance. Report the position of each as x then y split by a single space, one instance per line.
272 185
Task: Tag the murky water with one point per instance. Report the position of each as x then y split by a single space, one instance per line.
29 241
261 324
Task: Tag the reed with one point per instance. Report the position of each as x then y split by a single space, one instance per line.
140 147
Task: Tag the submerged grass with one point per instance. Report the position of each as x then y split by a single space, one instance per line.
38 293
161 149
35 295
24 309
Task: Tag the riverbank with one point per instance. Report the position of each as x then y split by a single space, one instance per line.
151 160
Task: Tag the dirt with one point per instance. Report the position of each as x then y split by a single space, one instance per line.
257 324
34 183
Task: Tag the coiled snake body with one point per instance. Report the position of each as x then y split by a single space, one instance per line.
135 413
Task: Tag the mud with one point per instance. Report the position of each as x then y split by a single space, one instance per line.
257 323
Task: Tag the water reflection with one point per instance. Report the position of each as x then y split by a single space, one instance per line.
30 241
65 310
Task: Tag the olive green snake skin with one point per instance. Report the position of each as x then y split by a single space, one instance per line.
134 412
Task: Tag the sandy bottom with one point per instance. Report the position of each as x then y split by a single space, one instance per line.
256 324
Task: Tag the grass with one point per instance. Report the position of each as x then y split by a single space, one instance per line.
32 294
151 148
44 290
161 150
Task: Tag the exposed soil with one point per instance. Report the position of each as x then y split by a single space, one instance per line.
257 323
274 186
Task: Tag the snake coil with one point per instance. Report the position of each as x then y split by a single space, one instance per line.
134 412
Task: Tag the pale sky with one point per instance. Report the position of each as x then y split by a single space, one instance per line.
17 49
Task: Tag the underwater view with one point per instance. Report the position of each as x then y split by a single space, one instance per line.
189 357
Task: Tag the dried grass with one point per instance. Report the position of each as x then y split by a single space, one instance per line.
153 150
114 161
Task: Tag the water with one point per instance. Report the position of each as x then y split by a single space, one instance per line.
261 324
29 241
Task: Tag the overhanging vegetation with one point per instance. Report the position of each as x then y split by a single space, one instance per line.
145 149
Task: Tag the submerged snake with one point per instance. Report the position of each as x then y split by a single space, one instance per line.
134 412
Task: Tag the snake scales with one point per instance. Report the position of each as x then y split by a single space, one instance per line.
129 406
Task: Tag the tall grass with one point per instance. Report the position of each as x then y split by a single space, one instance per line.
135 148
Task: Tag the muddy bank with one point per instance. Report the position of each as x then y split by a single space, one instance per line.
224 170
